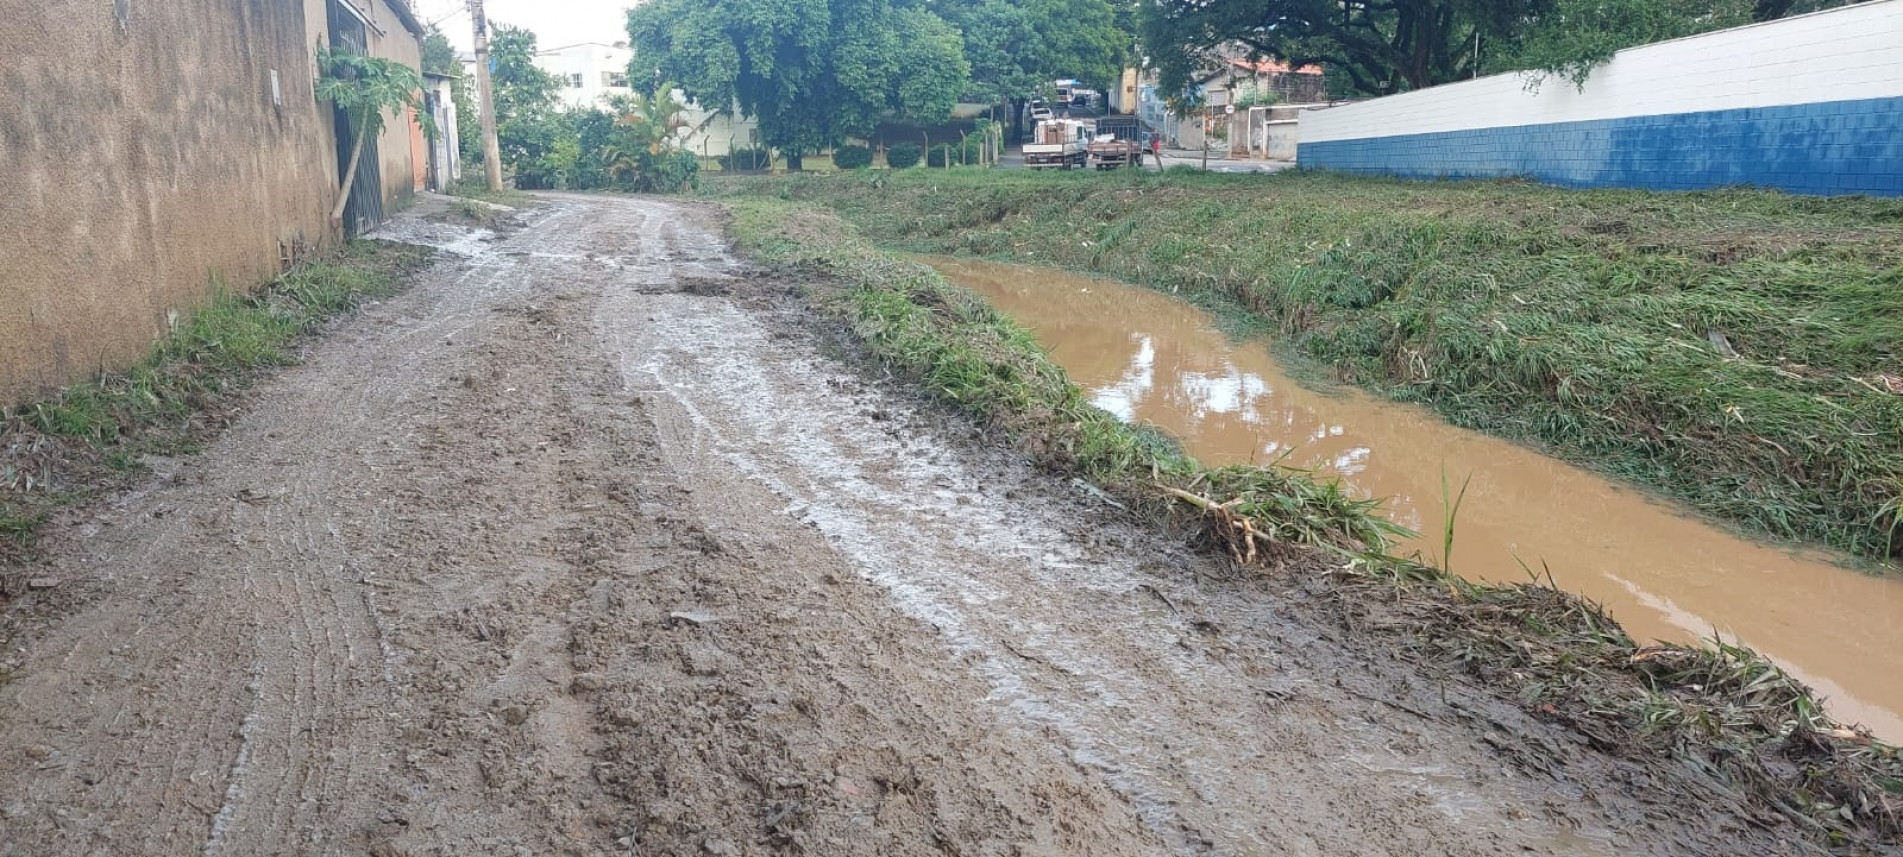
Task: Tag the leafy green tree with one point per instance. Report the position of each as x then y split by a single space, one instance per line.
528 123
1386 46
596 131
369 90
812 72
468 123
1017 48
1571 38
1379 47
642 152
439 56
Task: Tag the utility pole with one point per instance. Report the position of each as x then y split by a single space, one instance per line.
491 150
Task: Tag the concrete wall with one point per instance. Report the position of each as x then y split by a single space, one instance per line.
1266 132
1281 136
1811 104
711 136
144 162
447 147
398 146
1124 99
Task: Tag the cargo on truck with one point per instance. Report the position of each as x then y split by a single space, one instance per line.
1058 143
1117 142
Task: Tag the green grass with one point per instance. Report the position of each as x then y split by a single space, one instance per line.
64 448
960 349
1580 321
476 187
1720 709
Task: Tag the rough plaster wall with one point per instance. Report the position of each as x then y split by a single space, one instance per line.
144 165
393 145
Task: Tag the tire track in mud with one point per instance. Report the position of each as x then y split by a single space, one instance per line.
1227 725
582 547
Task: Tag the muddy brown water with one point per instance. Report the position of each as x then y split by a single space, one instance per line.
1147 357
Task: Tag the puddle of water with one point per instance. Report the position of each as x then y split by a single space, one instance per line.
1147 357
465 241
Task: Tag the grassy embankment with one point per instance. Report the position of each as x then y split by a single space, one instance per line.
87 437
1740 351
1722 710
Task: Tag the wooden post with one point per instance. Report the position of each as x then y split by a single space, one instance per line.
1205 138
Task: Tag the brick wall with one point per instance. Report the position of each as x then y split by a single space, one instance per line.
1812 104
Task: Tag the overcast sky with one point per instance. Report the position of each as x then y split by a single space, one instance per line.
555 22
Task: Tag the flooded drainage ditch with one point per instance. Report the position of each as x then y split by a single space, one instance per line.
1663 574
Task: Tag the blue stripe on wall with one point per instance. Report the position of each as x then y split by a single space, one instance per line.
1831 148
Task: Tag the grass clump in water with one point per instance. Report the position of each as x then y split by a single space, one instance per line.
68 446
1739 350
1737 722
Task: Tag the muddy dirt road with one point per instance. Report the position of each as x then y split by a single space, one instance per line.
586 546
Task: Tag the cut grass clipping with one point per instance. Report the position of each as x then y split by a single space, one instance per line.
62 448
1734 719
1739 350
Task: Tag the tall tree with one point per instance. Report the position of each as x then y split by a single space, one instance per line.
439 56
528 127
1572 37
813 72
1016 48
1379 46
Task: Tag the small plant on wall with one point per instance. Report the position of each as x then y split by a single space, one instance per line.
368 89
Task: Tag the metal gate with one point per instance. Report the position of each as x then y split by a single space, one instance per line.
365 209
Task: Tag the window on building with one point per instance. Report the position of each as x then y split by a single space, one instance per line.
614 79
574 81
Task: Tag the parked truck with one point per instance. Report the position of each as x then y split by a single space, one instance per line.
1060 143
1118 142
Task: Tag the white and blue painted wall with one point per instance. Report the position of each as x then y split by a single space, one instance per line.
1811 104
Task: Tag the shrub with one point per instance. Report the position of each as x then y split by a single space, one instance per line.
674 172
745 158
940 154
967 153
903 156
852 157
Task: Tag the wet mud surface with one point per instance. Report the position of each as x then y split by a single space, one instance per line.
589 544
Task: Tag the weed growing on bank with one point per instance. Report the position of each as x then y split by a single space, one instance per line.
959 348
67 447
1738 721
476 188
1741 351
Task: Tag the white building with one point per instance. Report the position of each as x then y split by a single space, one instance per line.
588 72
710 134
445 152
